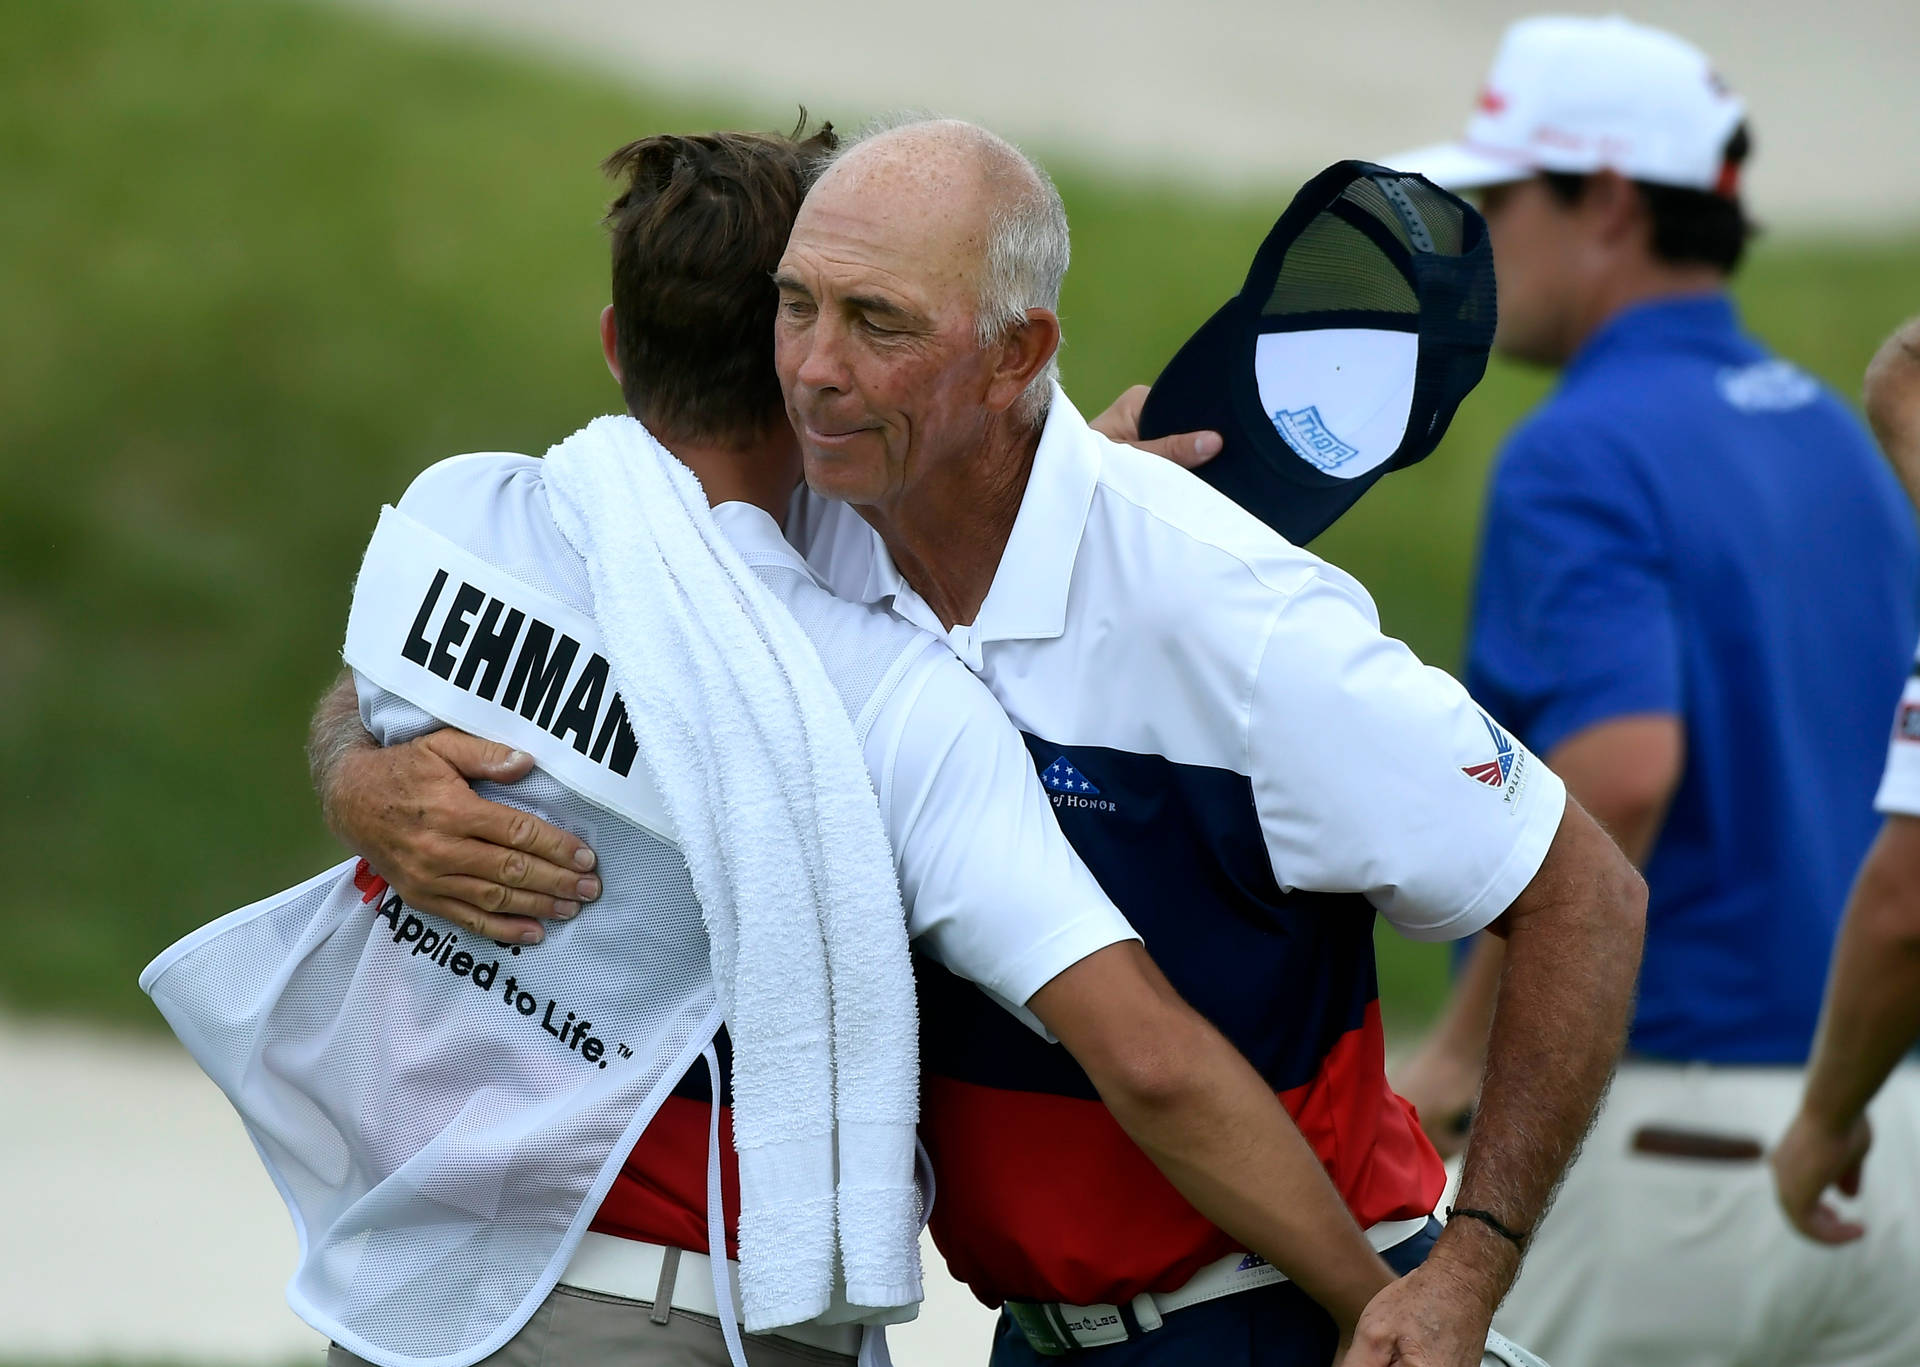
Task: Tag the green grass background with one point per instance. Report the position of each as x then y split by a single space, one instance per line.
261 262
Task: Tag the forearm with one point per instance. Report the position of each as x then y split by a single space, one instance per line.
1872 1012
336 732
1560 1016
1221 1136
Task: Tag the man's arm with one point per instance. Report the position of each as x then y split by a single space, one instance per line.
1560 1016
1871 1019
410 812
1210 1124
1624 772
996 894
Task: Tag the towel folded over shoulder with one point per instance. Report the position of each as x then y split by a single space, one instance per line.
760 771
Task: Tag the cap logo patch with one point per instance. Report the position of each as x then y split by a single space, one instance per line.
1491 101
1306 432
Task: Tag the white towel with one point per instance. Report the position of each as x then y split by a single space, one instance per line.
760 771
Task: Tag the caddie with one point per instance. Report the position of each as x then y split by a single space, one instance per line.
445 1116
1695 596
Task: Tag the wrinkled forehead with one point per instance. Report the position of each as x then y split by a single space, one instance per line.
905 228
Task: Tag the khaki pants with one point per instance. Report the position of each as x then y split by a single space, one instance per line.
575 1328
1658 1261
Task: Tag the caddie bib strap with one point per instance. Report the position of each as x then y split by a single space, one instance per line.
482 650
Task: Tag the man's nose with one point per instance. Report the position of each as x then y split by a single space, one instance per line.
822 357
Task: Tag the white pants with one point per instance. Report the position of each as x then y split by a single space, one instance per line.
1684 1262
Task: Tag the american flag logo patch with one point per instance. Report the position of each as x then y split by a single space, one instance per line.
1062 777
1496 771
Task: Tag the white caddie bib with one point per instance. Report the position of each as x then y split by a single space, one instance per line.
477 648
443 1114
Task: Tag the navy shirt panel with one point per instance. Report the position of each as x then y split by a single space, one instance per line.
1178 846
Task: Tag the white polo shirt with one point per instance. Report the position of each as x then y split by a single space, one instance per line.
1251 770
1899 793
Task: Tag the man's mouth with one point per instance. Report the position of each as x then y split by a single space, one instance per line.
830 435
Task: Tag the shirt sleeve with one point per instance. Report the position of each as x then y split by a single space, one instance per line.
1573 620
992 888
1899 793
1375 774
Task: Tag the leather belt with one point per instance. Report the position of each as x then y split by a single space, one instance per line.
1668 1141
1053 1329
637 1271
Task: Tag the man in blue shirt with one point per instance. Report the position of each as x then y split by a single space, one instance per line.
1695 600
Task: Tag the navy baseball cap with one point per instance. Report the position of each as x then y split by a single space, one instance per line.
1366 319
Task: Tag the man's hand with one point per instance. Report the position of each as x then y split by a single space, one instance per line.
1808 1160
492 870
1121 422
1425 1319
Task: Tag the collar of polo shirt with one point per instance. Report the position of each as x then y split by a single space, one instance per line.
1028 598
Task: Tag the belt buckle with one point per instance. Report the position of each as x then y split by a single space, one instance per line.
1038 1330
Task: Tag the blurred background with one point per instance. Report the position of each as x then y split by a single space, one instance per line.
261 261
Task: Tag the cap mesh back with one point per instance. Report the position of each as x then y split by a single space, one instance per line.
1333 266
1439 216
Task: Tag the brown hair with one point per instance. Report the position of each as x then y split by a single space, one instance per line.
697 234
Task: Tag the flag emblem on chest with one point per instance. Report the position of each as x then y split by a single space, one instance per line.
1494 772
1062 777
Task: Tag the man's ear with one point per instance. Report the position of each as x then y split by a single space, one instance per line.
1022 354
1619 211
610 344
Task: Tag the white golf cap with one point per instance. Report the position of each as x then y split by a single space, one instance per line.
1580 94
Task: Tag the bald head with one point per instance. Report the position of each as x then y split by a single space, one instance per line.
940 157
976 210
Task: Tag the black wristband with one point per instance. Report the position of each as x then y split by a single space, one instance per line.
1488 1219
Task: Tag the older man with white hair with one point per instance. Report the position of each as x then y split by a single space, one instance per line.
1248 766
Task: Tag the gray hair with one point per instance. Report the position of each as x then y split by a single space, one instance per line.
1027 244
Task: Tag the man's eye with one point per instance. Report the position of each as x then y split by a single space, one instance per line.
795 308
878 330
